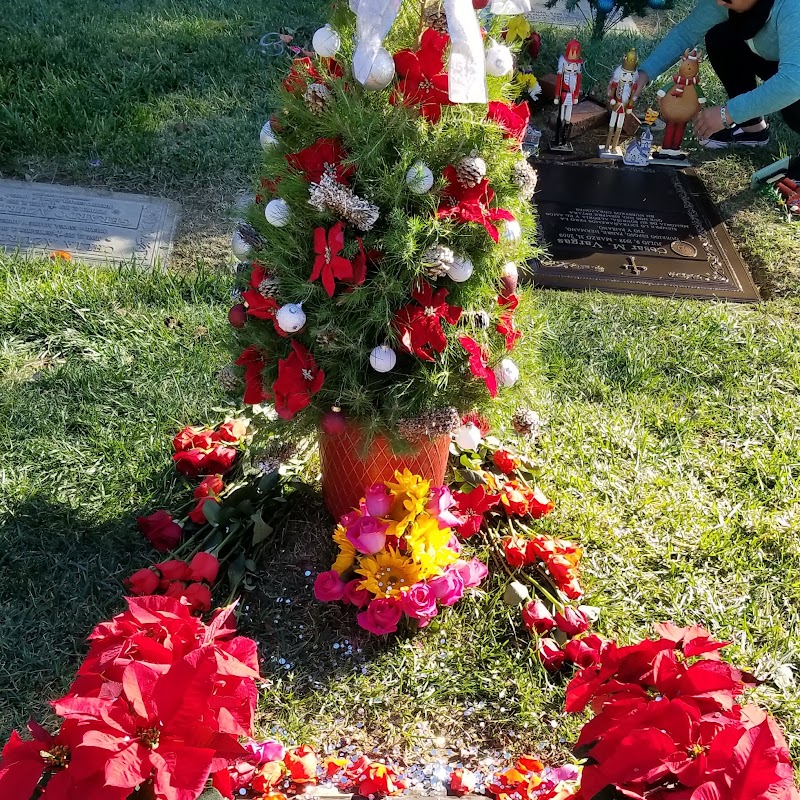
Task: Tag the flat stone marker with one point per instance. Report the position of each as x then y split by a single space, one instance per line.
637 230
92 225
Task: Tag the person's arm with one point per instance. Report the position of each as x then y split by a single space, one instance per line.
687 34
783 89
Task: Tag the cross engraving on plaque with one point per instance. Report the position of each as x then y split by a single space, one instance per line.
632 267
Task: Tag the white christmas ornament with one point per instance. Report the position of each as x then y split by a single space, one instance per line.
381 72
511 231
468 436
291 317
499 60
382 359
239 246
419 178
277 212
507 373
326 42
267 136
461 270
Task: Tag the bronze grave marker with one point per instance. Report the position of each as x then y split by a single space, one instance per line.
645 231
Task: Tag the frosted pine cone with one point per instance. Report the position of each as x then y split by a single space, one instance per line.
471 170
229 379
340 201
437 261
318 97
429 424
526 178
525 422
269 287
435 17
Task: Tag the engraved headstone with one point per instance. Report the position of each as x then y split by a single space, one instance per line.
623 229
95 226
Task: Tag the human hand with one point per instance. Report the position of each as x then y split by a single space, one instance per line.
708 122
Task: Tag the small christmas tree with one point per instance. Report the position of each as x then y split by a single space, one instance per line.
606 14
383 246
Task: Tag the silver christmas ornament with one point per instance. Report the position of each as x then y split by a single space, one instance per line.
383 359
277 212
381 74
511 231
326 42
241 249
509 278
507 373
468 436
291 317
419 178
461 270
499 60
267 136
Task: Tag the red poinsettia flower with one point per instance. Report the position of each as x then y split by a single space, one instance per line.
263 308
471 204
304 72
299 378
478 363
423 80
506 325
513 119
478 420
254 361
692 641
324 154
419 326
471 507
329 265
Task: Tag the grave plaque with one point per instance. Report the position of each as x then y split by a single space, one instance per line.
95 226
623 229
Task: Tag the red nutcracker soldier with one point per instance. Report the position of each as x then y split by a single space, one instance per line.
568 89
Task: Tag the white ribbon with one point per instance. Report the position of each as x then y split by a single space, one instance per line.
374 19
509 7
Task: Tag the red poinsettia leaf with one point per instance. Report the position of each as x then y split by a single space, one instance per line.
710 791
320 241
138 683
129 767
431 50
185 774
336 238
328 282
408 66
431 111
341 268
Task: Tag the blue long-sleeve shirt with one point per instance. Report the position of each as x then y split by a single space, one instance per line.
778 40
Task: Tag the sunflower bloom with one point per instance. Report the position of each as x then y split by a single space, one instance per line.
387 573
347 553
427 543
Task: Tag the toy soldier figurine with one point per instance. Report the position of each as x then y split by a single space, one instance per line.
680 101
568 89
621 97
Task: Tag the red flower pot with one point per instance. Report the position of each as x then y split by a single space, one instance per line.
349 467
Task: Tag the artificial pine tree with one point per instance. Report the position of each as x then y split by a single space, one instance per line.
608 13
384 242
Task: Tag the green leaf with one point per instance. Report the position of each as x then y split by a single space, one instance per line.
268 482
251 565
261 530
236 570
213 512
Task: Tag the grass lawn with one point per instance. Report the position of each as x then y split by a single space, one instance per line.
672 446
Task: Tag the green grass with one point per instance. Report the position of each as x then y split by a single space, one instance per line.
672 446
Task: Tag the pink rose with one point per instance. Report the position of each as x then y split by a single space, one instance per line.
440 504
537 618
329 587
381 617
471 572
378 500
355 595
572 621
349 518
448 588
551 654
454 544
419 602
265 752
367 535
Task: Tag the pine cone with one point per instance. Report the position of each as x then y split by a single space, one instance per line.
471 170
340 201
525 422
481 320
435 17
270 286
229 379
236 296
436 261
429 425
526 178
327 339
318 97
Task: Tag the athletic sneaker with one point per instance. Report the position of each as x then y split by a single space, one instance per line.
736 137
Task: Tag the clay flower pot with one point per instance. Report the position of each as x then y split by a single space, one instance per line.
348 469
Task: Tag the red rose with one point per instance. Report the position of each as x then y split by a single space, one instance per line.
173 570
204 567
197 515
210 486
516 551
505 462
582 652
537 618
192 438
160 530
572 621
219 460
551 654
142 582
189 462
232 432
199 597
301 763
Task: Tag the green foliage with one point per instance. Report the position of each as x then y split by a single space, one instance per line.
382 142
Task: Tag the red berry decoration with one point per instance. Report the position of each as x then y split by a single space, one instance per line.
334 423
535 44
237 316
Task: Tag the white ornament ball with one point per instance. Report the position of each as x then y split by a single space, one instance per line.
381 73
461 270
277 212
511 231
507 373
468 436
499 60
382 359
241 249
326 42
267 136
419 178
291 317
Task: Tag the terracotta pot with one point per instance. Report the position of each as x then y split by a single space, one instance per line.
345 474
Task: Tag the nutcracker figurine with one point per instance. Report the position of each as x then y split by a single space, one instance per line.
680 101
621 97
568 89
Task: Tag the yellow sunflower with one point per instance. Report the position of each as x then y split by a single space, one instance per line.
387 573
347 553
